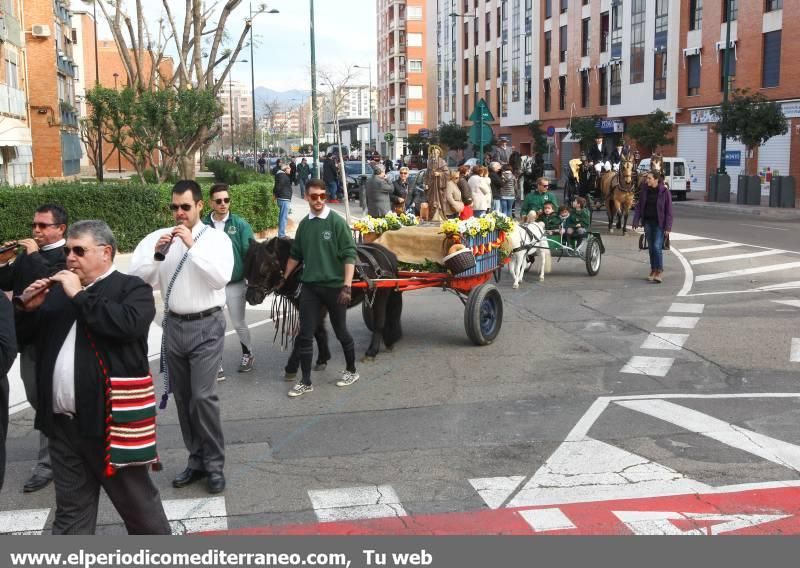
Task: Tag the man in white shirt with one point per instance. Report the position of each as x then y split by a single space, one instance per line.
192 277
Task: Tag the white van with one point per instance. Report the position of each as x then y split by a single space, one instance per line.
676 176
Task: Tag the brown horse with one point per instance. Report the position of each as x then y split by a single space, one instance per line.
618 193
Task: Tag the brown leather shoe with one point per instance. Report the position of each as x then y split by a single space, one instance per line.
652 276
657 277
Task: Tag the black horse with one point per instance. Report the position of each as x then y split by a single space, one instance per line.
265 263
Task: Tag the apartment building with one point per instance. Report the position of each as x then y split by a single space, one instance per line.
15 133
52 69
762 60
237 113
406 90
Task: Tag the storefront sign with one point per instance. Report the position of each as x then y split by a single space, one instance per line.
703 116
733 158
611 126
791 110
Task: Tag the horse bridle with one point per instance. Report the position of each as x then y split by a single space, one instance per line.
260 288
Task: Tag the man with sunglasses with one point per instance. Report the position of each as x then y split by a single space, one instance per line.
324 244
41 256
89 329
192 279
535 200
241 233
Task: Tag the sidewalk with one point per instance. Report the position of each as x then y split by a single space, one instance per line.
748 210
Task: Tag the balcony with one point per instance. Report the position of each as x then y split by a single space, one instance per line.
65 64
12 28
69 116
13 101
61 11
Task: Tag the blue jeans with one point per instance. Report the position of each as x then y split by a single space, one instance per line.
479 212
283 216
655 242
333 189
302 183
506 205
495 205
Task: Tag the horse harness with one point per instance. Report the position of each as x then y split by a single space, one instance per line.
531 245
369 253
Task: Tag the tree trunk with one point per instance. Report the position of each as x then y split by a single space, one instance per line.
186 169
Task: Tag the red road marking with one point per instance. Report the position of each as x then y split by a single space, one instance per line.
596 518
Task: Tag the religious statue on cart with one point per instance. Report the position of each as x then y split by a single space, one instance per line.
436 177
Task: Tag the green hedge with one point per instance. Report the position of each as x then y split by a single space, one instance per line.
131 210
232 173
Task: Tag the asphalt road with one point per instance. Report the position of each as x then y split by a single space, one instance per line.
440 426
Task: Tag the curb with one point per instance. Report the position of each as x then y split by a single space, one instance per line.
760 211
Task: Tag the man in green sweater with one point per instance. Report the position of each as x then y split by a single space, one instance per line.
535 200
324 244
240 233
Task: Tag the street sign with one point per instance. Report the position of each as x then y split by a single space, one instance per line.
388 136
480 136
551 131
481 112
733 158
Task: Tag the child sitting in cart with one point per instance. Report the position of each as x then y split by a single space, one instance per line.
551 220
579 220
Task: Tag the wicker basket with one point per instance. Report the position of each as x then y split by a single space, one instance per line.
460 261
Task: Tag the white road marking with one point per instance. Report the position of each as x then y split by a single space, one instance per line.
679 322
590 470
685 237
735 257
781 286
650 366
17 400
666 341
544 520
748 271
25 521
763 227
794 354
495 490
659 522
713 247
351 503
793 303
678 307
196 515
688 273
157 355
771 449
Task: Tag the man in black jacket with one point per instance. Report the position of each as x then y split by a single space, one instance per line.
42 255
282 191
598 155
330 177
8 353
90 327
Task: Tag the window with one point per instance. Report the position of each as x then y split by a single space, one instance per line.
528 94
616 85
488 28
487 96
731 67
548 9
466 71
415 117
679 170
546 95
466 35
604 32
413 12
771 64
11 69
516 49
548 47
616 29
660 75
584 88
562 44
734 5
637 41
414 40
564 5
603 86
562 92
586 36
466 107
773 5
415 91
693 75
695 14
415 65
487 64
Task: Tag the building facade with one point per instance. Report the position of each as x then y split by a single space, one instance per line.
52 69
15 133
762 59
237 116
406 92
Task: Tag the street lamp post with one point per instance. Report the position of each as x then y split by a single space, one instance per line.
725 84
314 109
119 157
369 70
99 157
261 10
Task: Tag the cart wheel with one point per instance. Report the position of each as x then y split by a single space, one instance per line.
593 257
498 273
483 314
366 313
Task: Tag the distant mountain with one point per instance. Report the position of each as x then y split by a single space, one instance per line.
284 98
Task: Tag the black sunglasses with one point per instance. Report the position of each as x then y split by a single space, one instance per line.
222 200
185 206
79 250
43 226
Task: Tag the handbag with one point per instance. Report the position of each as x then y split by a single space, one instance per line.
130 419
643 244
666 243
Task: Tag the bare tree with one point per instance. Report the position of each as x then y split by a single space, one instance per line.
203 55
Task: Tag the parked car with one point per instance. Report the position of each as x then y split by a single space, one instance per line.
416 181
352 170
675 176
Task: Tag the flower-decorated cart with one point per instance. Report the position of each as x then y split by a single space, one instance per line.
457 256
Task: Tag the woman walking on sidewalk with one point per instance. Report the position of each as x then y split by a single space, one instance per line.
654 213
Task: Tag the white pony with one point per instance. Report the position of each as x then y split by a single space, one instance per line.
527 241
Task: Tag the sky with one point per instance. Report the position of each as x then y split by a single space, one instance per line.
345 36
